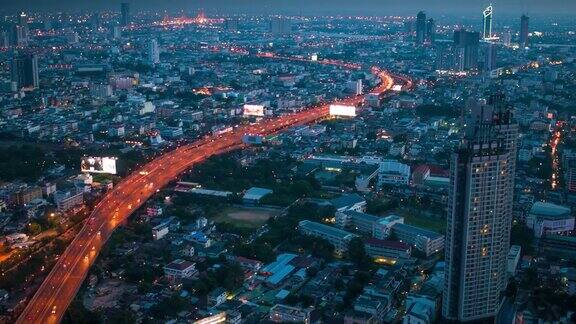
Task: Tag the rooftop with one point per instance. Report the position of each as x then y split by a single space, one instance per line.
417 230
549 210
328 230
179 265
256 193
347 200
387 244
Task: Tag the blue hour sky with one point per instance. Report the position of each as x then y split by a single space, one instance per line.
368 7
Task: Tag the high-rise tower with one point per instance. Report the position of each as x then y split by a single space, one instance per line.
480 213
524 21
124 14
153 52
466 47
420 28
24 71
487 16
431 31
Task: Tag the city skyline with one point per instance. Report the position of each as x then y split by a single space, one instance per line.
300 7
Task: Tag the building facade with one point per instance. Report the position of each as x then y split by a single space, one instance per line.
480 213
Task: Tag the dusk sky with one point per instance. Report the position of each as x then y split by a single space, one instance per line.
374 7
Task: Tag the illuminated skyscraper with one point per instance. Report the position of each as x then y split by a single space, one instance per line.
480 213
124 14
524 21
487 31
420 28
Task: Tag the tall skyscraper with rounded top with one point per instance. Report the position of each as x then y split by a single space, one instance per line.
487 16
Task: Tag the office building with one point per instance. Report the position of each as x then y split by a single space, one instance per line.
478 224
95 20
431 31
4 39
280 26
487 21
23 31
124 14
153 52
116 32
100 91
524 30
17 35
420 28
466 47
490 57
24 71
570 175
507 38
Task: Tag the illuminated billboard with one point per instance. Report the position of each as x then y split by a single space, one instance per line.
341 110
98 164
397 87
254 110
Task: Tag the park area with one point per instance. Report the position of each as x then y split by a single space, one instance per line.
245 217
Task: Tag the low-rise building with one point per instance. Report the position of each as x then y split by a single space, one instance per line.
360 221
283 313
216 297
254 195
547 218
68 200
382 229
160 230
349 202
393 173
424 240
337 237
419 310
385 251
179 269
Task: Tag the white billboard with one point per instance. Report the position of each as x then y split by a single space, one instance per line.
341 110
93 164
254 110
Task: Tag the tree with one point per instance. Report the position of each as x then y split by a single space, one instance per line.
523 236
34 228
357 253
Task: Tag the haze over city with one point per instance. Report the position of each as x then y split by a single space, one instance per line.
335 7
288 161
